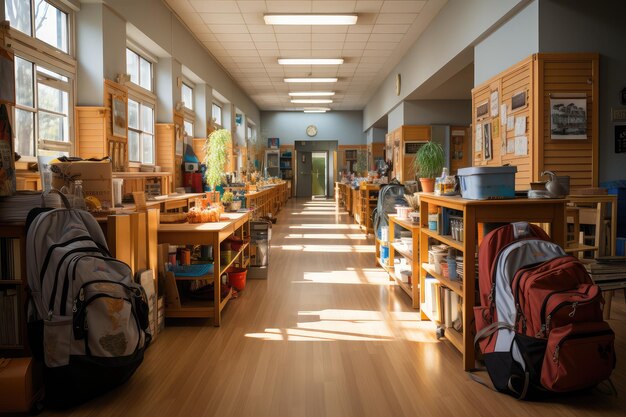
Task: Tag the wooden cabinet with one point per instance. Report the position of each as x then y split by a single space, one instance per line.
180 301
169 149
475 213
460 150
411 254
13 290
529 89
401 155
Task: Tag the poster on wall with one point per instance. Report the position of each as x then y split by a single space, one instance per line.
479 138
495 103
482 110
487 142
119 117
568 118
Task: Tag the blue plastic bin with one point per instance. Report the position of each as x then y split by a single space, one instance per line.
485 183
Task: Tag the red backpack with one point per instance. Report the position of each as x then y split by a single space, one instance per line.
539 325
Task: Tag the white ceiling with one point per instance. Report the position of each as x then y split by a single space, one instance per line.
235 34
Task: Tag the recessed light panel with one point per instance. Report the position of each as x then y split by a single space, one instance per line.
312 94
310 61
314 111
312 101
310 19
310 80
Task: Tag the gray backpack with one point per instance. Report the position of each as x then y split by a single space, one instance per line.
87 319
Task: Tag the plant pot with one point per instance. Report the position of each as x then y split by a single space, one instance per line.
428 184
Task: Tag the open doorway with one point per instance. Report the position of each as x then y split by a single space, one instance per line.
319 177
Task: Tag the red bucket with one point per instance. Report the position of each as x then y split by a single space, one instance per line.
237 278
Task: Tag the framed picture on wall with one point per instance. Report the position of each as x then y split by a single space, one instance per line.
568 118
119 117
482 110
518 101
273 143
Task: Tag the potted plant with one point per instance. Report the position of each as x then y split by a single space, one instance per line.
429 162
216 156
360 166
227 199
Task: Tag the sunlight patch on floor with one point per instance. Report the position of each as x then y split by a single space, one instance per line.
351 325
326 226
346 277
334 236
328 248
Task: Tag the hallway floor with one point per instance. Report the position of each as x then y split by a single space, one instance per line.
326 335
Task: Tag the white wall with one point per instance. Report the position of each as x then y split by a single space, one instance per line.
344 126
586 26
509 44
459 25
89 46
445 112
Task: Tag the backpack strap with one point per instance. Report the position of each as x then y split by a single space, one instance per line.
491 329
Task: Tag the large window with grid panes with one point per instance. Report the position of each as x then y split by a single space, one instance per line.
216 115
141 107
40 36
189 115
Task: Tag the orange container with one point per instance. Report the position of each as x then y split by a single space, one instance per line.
237 278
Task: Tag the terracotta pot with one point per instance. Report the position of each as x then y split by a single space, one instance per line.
428 184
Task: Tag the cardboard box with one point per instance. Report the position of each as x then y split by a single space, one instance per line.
97 178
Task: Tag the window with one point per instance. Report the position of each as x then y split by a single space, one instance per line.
39 17
139 69
42 109
188 128
187 96
216 114
140 132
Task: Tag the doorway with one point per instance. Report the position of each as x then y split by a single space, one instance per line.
319 168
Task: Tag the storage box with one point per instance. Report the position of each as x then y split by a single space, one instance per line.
96 176
20 385
484 183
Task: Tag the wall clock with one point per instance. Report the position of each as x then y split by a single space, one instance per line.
311 130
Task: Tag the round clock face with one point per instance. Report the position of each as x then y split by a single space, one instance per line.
311 130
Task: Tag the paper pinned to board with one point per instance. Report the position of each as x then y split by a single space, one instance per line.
478 146
520 125
521 146
503 114
494 100
510 146
510 123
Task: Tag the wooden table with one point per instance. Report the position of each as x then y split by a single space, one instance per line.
136 181
174 201
546 211
204 234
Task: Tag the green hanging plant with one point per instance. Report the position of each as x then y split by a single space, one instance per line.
360 166
216 156
429 160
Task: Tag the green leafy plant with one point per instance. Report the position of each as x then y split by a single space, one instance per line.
216 156
429 160
228 197
360 166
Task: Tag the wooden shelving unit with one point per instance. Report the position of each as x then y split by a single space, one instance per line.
14 282
232 224
368 198
550 213
413 256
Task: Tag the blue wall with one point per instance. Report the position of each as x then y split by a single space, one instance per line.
343 126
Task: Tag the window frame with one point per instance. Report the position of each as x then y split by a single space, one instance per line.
141 55
142 103
217 123
191 86
42 54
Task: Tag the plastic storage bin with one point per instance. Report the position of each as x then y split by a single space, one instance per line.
484 183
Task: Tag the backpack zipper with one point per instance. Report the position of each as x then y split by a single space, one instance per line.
51 249
545 325
555 355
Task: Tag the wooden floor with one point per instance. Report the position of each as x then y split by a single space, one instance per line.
326 335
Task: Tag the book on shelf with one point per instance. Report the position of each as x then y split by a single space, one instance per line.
9 317
10 259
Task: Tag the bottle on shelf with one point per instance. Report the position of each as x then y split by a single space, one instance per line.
78 200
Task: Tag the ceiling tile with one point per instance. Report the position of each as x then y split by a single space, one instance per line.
242 52
268 52
395 18
247 6
291 29
249 59
293 37
260 29
326 53
264 37
360 28
328 37
295 53
413 6
326 45
386 37
354 45
381 45
199 28
207 37
237 45
266 45
215 6
288 6
253 18
337 6
352 53
222 18
329 29
368 6
391 28
192 17
294 45
377 52
357 37
233 37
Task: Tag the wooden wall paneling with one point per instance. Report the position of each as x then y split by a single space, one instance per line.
375 151
165 148
411 133
460 148
198 148
91 131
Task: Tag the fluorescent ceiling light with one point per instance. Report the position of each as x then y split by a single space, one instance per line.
312 94
310 80
316 108
312 101
310 61
314 111
310 19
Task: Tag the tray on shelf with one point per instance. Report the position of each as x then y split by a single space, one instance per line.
194 270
